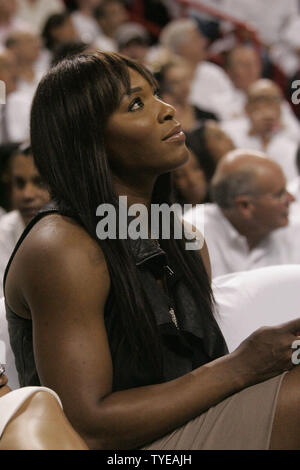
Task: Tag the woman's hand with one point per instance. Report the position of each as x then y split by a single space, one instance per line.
267 352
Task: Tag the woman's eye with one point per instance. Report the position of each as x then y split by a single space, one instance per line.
136 104
157 93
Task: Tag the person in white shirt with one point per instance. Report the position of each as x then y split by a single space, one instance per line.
262 128
28 195
36 12
83 19
110 15
133 41
9 79
26 48
244 67
211 86
248 226
268 17
9 22
15 110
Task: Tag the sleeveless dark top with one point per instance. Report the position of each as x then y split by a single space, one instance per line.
198 341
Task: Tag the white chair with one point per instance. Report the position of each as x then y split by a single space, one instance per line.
251 299
6 354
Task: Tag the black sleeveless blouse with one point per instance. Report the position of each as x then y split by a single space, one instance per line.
197 341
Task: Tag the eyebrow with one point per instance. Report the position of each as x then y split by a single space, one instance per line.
131 91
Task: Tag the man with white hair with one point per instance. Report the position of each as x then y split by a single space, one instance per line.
210 86
248 225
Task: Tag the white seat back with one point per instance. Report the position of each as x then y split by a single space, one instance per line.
251 299
6 354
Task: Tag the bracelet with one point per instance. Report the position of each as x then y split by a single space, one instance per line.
2 369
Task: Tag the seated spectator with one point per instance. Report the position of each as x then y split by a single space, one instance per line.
134 42
28 195
86 26
209 143
14 114
267 17
175 80
9 22
262 128
211 86
58 29
247 227
36 12
244 67
110 15
8 75
26 48
190 183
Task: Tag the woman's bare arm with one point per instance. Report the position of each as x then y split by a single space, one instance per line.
66 292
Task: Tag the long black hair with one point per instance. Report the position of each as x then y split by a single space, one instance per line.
69 114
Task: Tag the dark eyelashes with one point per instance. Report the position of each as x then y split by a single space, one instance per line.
134 102
138 101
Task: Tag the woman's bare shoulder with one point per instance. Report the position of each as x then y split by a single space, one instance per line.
55 250
63 236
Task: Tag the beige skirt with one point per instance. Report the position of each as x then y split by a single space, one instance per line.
241 422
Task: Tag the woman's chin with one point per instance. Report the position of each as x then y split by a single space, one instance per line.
181 158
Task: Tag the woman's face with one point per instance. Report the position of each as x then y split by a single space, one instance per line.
190 181
142 137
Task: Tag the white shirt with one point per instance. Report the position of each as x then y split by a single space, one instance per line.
211 88
229 251
104 43
294 189
281 148
87 28
11 228
2 211
18 116
268 17
38 12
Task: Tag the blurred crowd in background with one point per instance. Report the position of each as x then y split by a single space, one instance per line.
229 67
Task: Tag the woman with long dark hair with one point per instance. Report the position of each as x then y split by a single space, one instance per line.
122 329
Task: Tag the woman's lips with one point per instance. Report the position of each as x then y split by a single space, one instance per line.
178 137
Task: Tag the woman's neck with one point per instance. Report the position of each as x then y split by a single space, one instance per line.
136 194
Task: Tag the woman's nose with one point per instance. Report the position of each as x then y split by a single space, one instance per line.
166 112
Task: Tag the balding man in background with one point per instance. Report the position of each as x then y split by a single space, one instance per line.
262 129
248 225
